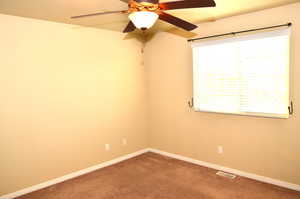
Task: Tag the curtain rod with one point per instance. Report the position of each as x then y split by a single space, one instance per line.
243 31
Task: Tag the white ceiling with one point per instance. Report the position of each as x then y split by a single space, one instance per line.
61 10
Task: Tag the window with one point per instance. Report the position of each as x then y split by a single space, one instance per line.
246 75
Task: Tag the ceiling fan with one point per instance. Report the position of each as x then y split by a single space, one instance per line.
144 13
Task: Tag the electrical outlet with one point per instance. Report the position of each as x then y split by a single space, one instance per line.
124 141
107 147
220 149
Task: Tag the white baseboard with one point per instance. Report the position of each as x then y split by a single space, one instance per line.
71 175
229 170
125 157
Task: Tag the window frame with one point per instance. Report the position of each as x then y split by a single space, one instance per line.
196 79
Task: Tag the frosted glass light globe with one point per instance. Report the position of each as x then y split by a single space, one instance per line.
143 19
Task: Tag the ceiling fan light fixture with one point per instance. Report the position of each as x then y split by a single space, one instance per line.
143 19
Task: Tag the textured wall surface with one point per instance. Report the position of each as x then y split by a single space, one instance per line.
65 91
264 146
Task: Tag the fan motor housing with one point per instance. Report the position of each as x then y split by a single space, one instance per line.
135 6
148 1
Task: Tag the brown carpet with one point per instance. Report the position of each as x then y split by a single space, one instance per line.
152 176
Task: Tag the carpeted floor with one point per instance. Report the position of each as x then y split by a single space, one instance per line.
152 176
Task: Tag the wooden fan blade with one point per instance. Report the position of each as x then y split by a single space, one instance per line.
98 13
177 21
129 28
172 5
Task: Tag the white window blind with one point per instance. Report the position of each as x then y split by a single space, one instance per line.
247 75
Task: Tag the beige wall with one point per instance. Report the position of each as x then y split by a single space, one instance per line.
268 147
65 92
